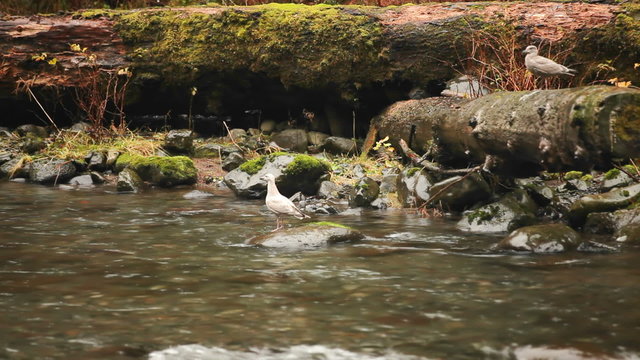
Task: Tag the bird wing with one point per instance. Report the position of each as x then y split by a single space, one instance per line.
543 66
282 206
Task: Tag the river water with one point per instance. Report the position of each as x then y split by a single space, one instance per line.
91 274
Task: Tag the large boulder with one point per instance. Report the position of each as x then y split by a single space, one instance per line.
165 171
51 171
308 236
292 139
512 211
548 238
615 199
458 193
293 173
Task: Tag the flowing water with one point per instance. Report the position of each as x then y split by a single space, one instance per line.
91 274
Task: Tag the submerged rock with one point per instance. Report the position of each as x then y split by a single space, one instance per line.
129 181
309 236
51 171
512 211
613 200
616 223
196 195
548 238
364 192
293 173
163 171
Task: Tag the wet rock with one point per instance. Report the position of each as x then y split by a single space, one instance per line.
232 161
81 181
129 181
293 173
197 195
31 144
80 126
512 211
388 184
292 139
163 171
309 236
629 234
381 203
179 142
612 222
548 238
610 201
112 157
536 188
328 190
413 187
364 192
32 130
14 168
340 146
596 247
316 138
358 171
574 185
51 171
96 160
320 206
97 178
456 194
615 178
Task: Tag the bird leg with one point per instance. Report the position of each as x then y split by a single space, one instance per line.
278 224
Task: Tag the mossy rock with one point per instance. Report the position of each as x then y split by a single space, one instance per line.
308 236
293 172
165 171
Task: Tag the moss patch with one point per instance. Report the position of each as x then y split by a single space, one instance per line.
332 224
611 174
305 164
299 44
161 170
572 175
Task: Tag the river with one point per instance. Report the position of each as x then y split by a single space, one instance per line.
92 274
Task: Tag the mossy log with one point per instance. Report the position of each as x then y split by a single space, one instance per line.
573 128
347 48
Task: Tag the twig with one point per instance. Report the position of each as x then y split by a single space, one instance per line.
430 166
42 108
231 137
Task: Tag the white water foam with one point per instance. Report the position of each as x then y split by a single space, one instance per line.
298 352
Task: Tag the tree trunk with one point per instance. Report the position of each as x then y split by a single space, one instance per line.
573 128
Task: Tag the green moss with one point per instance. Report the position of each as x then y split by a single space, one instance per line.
252 166
332 224
484 214
95 14
412 171
587 177
305 164
299 44
163 170
613 173
572 175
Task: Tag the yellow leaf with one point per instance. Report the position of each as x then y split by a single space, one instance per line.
53 61
623 84
636 65
613 80
75 47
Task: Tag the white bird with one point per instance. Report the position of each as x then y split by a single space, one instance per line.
280 204
541 66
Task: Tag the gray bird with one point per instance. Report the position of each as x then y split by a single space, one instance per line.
280 204
541 66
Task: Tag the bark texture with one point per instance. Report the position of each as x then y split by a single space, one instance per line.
574 128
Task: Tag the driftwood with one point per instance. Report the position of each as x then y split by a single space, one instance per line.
576 128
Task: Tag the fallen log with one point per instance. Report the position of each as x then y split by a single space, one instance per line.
556 130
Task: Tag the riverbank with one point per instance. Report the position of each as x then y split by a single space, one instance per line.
332 179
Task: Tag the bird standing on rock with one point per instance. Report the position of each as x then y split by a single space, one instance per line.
280 204
543 67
